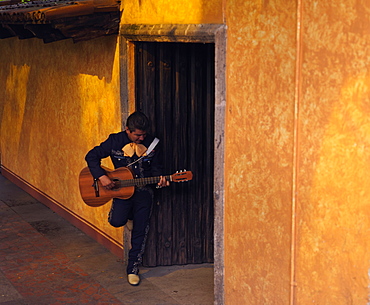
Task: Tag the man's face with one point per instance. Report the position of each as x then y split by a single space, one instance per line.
137 136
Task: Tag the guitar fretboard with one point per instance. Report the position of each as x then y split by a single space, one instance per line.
141 181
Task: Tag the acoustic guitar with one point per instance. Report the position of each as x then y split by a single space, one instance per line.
94 194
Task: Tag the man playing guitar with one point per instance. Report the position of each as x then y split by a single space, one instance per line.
131 148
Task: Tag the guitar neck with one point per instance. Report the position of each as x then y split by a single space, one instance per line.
141 181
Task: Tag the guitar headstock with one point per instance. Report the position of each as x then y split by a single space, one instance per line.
182 176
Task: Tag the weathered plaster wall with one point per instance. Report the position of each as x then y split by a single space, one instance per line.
333 240
172 12
259 138
297 157
58 101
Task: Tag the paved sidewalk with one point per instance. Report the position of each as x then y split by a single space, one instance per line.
46 260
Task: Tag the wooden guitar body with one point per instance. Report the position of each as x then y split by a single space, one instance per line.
95 197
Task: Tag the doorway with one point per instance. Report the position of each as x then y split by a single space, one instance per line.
174 86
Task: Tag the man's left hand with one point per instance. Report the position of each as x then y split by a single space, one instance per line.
163 182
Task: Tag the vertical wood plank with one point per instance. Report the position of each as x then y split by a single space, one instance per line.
164 110
181 202
145 66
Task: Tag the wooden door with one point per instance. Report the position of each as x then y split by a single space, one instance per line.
175 88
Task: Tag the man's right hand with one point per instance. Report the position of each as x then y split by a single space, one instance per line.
106 182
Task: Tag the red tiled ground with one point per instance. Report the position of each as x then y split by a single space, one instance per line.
40 272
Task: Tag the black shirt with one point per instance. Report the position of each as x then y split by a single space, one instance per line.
147 166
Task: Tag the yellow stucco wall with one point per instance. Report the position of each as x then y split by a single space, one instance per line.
172 12
259 137
334 186
58 101
297 202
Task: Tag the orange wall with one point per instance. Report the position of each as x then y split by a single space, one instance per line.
58 101
172 12
333 238
259 137
297 158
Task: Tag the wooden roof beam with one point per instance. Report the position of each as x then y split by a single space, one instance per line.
46 32
6 32
19 30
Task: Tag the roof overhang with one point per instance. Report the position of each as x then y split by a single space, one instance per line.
54 20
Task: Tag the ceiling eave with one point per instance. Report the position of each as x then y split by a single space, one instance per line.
57 20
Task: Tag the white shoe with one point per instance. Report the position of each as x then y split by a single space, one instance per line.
129 225
133 279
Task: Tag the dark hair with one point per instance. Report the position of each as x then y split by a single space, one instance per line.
137 120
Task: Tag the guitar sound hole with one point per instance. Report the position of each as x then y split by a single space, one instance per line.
116 184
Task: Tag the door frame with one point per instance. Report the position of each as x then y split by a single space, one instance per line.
190 33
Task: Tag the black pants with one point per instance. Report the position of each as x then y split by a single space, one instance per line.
138 208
